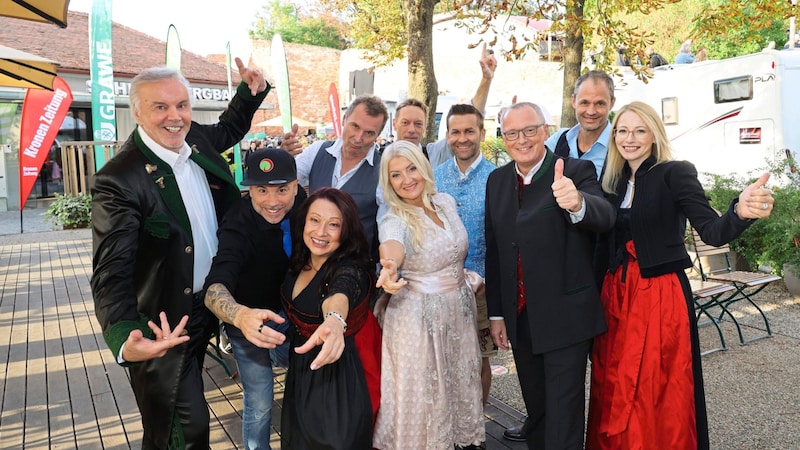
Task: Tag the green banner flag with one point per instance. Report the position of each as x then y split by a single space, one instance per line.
104 122
280 70
173 49
237 153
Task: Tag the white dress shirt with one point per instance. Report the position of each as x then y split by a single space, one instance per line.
197 200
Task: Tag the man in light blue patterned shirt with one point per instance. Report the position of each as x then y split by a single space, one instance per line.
464 177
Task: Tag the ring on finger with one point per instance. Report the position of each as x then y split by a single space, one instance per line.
260 327
765 206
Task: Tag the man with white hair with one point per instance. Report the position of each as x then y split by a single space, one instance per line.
155 210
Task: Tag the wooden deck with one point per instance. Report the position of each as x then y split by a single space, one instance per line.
60 386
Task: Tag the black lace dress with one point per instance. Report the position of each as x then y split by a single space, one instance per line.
330 408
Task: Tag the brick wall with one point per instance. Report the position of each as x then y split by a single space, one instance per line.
311 71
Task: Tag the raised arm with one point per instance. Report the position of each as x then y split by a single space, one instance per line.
488 66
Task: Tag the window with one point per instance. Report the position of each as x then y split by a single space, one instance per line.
669 110
733 89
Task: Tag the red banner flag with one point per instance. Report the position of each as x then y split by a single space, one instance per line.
42 114
336 111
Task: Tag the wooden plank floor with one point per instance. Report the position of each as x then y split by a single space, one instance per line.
60 386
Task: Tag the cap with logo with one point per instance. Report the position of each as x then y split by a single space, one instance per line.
270 167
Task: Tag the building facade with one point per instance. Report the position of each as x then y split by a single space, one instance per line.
69 47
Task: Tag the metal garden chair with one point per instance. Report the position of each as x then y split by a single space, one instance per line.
746 284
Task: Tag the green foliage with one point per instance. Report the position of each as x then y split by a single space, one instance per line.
726 28
282 17
736 42
741 27
494 150
378 27
773 241
227 155
70 211
742 34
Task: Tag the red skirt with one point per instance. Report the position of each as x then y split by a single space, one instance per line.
642 392
368 344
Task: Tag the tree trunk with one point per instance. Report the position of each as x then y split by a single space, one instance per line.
573 57
421 77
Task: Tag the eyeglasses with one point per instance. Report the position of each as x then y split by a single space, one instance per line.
513 135
638 133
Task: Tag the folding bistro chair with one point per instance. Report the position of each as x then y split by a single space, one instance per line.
746 284
706 295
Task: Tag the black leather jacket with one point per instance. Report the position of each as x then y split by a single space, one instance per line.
143 250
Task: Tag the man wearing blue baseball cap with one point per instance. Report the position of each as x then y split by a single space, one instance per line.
245 278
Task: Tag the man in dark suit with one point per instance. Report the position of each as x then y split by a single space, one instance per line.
541 215
155 210
593 99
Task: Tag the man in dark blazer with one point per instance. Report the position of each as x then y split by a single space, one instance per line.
155 210
593 98
541 215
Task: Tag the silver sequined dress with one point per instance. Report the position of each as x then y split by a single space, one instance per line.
430 369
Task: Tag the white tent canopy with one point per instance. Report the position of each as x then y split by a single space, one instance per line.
278 122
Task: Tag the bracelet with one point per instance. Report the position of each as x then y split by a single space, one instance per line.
338 316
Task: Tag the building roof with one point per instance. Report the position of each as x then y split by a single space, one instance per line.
132 50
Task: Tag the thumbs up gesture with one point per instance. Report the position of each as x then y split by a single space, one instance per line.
755 201
564 190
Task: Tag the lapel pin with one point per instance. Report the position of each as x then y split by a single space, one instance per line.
160 182
194 148
150 168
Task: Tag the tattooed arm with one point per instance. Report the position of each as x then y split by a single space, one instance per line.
249 320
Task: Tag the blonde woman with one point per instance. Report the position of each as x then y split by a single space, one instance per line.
430 367
647 381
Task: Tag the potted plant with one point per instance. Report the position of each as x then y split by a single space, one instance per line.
774 241
70 211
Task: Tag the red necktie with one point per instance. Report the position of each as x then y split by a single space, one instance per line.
520 275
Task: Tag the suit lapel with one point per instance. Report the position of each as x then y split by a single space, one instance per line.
549 160
207 164
167 185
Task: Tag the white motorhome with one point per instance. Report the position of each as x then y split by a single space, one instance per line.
726 116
